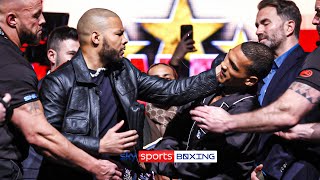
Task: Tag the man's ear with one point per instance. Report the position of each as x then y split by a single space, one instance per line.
289 27
251 81
11 20
52 56
95 38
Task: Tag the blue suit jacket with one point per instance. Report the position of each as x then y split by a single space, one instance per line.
280 157
284 76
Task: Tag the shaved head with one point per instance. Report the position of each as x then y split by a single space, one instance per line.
7 6
94 20
22 20
13 6
101 37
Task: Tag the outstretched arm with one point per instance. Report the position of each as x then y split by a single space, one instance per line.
283 113
29 118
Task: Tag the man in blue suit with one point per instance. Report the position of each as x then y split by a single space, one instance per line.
278 26
295 159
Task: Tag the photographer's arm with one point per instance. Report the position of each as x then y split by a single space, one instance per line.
184 46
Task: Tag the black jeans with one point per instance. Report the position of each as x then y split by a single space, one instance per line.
10 170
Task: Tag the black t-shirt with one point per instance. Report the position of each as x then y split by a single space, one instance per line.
310 73
18 78
108 106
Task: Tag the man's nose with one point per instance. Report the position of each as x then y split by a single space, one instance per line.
259 30
315 20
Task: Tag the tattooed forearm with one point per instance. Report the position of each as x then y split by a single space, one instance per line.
34 107
311 94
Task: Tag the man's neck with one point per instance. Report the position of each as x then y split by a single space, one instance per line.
285 46
14 39
92 60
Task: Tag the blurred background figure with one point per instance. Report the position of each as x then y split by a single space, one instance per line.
159 115
62 45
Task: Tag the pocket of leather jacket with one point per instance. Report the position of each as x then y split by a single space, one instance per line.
76 125
136 121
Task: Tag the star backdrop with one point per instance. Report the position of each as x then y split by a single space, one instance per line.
153 26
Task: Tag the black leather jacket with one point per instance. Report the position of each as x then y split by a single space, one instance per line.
236 151
71 99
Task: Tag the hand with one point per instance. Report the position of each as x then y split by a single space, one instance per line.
184 46
297 132
114 143
3 109
257 173
107 170
211 118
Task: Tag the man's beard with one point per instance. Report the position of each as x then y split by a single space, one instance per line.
276 39
274 43
28 37
107 54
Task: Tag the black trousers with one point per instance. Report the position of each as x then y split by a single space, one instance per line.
10 170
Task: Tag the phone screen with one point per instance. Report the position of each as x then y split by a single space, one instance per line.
185 29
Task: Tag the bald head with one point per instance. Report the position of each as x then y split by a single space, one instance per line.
22 20
9 6
94 20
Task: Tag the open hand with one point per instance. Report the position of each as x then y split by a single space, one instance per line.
116 143
184 46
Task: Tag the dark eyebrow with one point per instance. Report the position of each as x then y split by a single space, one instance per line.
234 66
166 75
71 51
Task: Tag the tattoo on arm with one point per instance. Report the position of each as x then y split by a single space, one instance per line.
311 94
34 107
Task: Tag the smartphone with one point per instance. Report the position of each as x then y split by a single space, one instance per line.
184 29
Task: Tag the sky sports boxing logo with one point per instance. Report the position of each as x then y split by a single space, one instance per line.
177 156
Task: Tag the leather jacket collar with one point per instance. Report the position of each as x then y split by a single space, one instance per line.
81 70
228 101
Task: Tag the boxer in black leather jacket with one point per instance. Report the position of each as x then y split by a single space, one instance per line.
74 103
